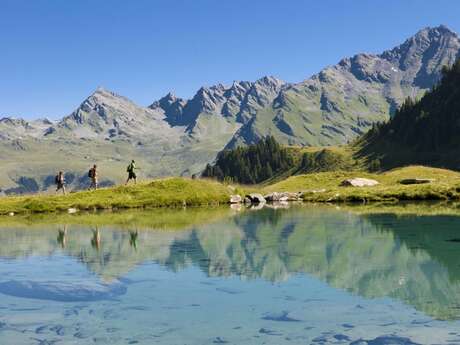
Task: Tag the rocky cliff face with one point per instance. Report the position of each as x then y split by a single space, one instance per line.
178 136
342 101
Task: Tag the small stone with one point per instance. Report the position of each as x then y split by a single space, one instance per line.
11 214
235 199
72 210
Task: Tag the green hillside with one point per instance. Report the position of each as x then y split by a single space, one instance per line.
268 162
421 132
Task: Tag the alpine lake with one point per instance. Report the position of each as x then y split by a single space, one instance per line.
279 274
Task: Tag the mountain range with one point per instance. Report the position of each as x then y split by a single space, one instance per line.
175 136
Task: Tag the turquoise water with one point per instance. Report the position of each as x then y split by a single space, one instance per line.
303 275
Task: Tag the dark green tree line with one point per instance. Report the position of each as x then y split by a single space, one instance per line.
251 164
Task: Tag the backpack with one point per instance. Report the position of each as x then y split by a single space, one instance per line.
56 179
90 173
129 168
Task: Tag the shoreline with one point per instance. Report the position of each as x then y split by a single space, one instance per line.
178 192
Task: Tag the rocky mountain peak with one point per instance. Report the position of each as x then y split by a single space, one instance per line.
435 46
238 90
172 107
208 99
441 30
270 82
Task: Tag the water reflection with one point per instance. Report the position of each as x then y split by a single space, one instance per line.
408 258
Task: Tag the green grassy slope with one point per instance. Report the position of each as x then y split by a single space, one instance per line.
169 192
421 132
316 187
444 186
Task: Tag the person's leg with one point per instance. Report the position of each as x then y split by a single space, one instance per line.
63 189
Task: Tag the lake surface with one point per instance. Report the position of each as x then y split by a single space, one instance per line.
302 275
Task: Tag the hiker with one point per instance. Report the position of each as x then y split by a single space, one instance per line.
131 173
92 174
60 182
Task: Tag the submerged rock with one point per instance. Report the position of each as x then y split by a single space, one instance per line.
281 317
62 291
359 182
385 340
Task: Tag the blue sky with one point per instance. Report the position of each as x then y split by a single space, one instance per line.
54 53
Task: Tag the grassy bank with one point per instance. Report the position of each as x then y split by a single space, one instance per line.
444 186
170 192
177 192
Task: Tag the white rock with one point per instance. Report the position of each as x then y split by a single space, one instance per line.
359 182
72 210
235 199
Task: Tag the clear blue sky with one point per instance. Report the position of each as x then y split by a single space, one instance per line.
54 53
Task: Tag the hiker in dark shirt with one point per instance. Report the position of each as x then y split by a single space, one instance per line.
131 173
92 174
60 182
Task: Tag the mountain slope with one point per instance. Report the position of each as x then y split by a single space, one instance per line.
422 132
174 136
342 101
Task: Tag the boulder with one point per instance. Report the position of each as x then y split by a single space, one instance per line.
292 196
359 182
235 199
416 180
275 196
256 198
283 196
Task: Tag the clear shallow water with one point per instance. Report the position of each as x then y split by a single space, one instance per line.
292 276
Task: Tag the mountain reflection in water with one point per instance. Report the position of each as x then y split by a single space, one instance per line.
409 258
